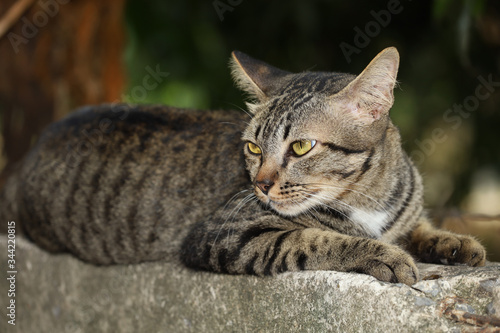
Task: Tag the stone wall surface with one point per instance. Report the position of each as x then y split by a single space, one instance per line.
58 293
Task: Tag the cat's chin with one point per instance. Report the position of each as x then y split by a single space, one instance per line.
286 208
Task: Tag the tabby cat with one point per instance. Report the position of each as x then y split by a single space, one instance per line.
327 185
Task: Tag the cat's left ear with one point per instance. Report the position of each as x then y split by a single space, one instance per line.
255 77
370 96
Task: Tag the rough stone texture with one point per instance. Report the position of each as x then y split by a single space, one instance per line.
58 293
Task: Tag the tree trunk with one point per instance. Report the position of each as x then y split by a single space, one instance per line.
55 55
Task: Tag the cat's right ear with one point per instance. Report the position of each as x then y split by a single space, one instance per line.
370 96
255 77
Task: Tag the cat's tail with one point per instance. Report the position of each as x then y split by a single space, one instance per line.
9 209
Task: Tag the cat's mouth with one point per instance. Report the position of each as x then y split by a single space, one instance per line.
287 199
289 206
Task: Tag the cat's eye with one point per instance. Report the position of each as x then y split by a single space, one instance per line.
254 149
302 147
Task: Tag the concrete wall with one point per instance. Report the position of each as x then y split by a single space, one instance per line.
58 293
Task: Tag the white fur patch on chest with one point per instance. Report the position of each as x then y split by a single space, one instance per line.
371 221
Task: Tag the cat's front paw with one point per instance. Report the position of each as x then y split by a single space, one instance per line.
451 249
390 264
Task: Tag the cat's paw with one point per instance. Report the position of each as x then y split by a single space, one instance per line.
451 249
390 264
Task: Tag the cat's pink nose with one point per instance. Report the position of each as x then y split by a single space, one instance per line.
265 185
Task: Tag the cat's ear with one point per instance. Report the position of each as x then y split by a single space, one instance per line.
255 77
370 96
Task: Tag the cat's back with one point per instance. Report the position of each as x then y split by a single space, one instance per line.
116 183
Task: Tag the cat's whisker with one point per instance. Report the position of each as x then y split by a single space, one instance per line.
329 197
234 197
249 198
353 208
317 199
320 198
354 183
230 123
233 215
238 207
235 210
313 208
301 205
311 197
245 124
319 185
241 109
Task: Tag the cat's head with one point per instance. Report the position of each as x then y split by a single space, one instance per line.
311 133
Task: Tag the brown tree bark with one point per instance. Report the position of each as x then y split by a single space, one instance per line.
55 55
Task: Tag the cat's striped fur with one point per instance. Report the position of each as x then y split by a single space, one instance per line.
159 183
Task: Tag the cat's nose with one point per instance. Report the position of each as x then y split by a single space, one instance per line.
266 177
265 185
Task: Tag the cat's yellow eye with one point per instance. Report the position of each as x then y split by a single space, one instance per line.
254 149
302 147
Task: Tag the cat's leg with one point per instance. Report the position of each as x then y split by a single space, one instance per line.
443 247
269 244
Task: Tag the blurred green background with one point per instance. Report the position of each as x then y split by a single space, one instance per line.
447 111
